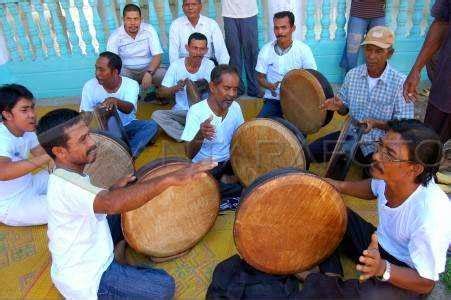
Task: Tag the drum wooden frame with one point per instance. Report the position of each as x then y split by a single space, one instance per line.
302 92
289 221
173 222
262 145
113 160
104 116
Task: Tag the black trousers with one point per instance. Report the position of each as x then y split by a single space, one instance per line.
355 241
228 190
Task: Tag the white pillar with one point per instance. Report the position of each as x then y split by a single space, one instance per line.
295 6
4 54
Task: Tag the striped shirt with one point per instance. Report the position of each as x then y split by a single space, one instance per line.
384 102
368 9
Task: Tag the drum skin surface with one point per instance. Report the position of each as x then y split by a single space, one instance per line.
113 160
302 91
289 221
174 221
262 145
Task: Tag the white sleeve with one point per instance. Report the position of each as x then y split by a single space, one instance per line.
86 103
5 148
308 60
377 186
192 126
132 93
33 139
112 44
261 66
240 118
221 53
169 79
154 42
210 67
174 43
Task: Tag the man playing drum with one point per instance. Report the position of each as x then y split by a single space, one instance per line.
279 57
194 67
81 235
404 255
211 123
109 89
371 93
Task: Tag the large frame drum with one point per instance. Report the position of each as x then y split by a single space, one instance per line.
109 121
174 221
113 160
302 91
262 145
289 221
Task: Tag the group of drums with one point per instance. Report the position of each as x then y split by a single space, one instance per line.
288 219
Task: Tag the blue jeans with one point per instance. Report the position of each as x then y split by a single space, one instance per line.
271 108
357 28
140 133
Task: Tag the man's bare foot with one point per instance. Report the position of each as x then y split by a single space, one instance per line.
303 275
119 252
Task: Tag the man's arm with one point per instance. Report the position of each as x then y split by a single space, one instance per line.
360 189
123 106
168 92
193 147
261 78
11 170
131 197
432 43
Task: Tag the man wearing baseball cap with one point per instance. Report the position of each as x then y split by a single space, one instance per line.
371 93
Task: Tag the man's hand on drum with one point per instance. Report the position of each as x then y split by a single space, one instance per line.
371 264
109 103
207 130
193 171
333 104
273 87
123 182
410 86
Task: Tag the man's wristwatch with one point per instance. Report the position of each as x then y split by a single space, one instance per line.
386 275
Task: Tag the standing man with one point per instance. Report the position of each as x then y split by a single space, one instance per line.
403 257
194 67
138 46
82 227
438 112
241 37
182 27
279 57
110 89
364 15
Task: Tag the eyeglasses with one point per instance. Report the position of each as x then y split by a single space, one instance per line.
387 156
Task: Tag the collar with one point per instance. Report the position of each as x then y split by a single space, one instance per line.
200 22
126 33
383 77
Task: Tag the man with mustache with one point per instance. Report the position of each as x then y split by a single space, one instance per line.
194 67
403 257
22 194
211 123
371 93
84 220
279 57
182 27
109 89
138 46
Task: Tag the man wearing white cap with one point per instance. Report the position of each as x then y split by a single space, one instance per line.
372 93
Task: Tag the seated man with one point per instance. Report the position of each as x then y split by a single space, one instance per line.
279 57
80 237
408 252
193 67
211 123
22 194
110 89
138 46
372 93
182 27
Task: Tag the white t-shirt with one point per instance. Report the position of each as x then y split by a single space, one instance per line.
180 30
275 66
219 148
79 239
17 149
93 94
136 53
418 232
372 82
177 71
238 9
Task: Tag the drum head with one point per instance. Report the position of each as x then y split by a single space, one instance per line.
289 221
262 145
113 160
301 94
175 220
